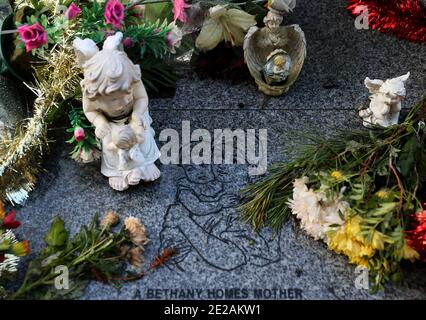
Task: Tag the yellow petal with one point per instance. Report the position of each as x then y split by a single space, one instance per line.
409 253
210 36
2 210
233 34
241 19
378 241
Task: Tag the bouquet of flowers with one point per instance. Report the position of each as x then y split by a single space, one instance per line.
64 267
361 192
11 250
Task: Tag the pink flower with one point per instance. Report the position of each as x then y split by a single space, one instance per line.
179 7
114 13
128 42
33 36
79 134
72 11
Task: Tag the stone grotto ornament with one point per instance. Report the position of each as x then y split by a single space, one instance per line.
275 54
385 101
116 103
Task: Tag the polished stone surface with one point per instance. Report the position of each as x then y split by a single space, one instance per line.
194 207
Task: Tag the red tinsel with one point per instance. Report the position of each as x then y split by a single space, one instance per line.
416 237
404 18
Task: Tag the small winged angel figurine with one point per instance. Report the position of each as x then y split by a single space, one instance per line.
275 54
386 101
116 103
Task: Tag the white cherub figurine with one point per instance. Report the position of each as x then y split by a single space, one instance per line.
116 103
386 99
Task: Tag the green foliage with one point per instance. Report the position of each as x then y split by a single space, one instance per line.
149 36
92 23
382 171
158 12
93 248
368 153
78 120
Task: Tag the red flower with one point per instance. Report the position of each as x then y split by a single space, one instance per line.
9 221
2 257
33 36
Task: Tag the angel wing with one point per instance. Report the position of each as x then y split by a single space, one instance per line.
113 42
283 6
84 50
251 60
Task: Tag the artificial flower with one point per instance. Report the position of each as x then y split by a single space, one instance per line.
230 25
179 13
33 36
128 42
111 219
114 13
79 134
174 37
9 221
137 231
72 12
86 155
21 249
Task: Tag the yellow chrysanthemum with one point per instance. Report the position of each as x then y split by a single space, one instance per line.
337 175
382 194
348 241
409 253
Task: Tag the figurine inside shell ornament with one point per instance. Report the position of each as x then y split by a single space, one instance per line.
275 54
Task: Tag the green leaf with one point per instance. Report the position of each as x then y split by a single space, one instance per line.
57 236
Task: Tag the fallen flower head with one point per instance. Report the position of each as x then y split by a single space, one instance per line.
110 220
137 231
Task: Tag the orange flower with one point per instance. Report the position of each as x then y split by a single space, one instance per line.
2 210
21 249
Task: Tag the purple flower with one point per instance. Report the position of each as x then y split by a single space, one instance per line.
114 13
33 36
128 42
72 12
